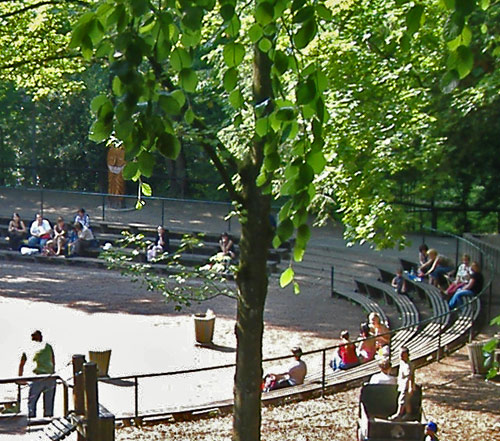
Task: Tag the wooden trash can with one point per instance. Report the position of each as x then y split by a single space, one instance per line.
476 358
101 359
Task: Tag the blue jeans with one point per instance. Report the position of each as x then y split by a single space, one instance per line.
36 242
337 364
48 388
440 272
456 300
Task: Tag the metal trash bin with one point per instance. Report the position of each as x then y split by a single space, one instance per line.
101 359
204 327
476 358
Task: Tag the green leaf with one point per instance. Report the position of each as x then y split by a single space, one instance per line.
233 27
180 59
146 189
304 14
130 170
168 145
465 61
264 13
100 131
303 235
449 81
189 116
236 99
272 162
404 42
316 160
188 80
227 11
465 7
296 288
169 104
255 33
305 34
262 126
286 277
413 18
146 163
233 54
495 321
285 114
453 26
485 4
298 253
281 61
449 4
179 96
98 102
265 45
285 230
230 79
306 91
491 345
139 7
323 12
192 18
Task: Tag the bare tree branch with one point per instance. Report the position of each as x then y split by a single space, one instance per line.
39 5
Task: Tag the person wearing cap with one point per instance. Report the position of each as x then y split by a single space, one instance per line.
39 359
293 376
430 431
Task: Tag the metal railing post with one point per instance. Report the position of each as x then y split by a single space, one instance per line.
323 374
163 212
136 397
456 253
332 275
41 202
438 355
103 207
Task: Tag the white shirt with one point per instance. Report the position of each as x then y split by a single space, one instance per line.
39 230
383 378
297 372
85 234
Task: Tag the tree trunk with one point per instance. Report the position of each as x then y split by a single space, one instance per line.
252 279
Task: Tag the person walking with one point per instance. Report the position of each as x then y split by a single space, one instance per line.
39 359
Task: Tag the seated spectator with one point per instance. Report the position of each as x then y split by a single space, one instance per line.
227 246
16 232
380 331
441 265
366 349
422 254
85 240
345 357
430 431
399 283
161 245
293 376
461 277
40 231
82 217
58 242
424 267
471 288
384 376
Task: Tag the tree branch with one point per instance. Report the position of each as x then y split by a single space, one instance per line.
21 63
208 148
39 5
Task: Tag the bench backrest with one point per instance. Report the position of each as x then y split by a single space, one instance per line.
381 400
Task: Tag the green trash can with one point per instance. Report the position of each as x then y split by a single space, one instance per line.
204 327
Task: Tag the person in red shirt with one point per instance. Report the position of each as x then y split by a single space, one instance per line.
345 357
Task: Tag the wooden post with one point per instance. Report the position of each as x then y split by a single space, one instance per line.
78 389
91 401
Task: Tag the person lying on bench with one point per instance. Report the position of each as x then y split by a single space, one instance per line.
293 376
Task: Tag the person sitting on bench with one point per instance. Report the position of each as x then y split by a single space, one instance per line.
345 357
381 332
293 376
85 240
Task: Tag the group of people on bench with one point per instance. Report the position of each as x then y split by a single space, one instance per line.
374 342
59 240
468 280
